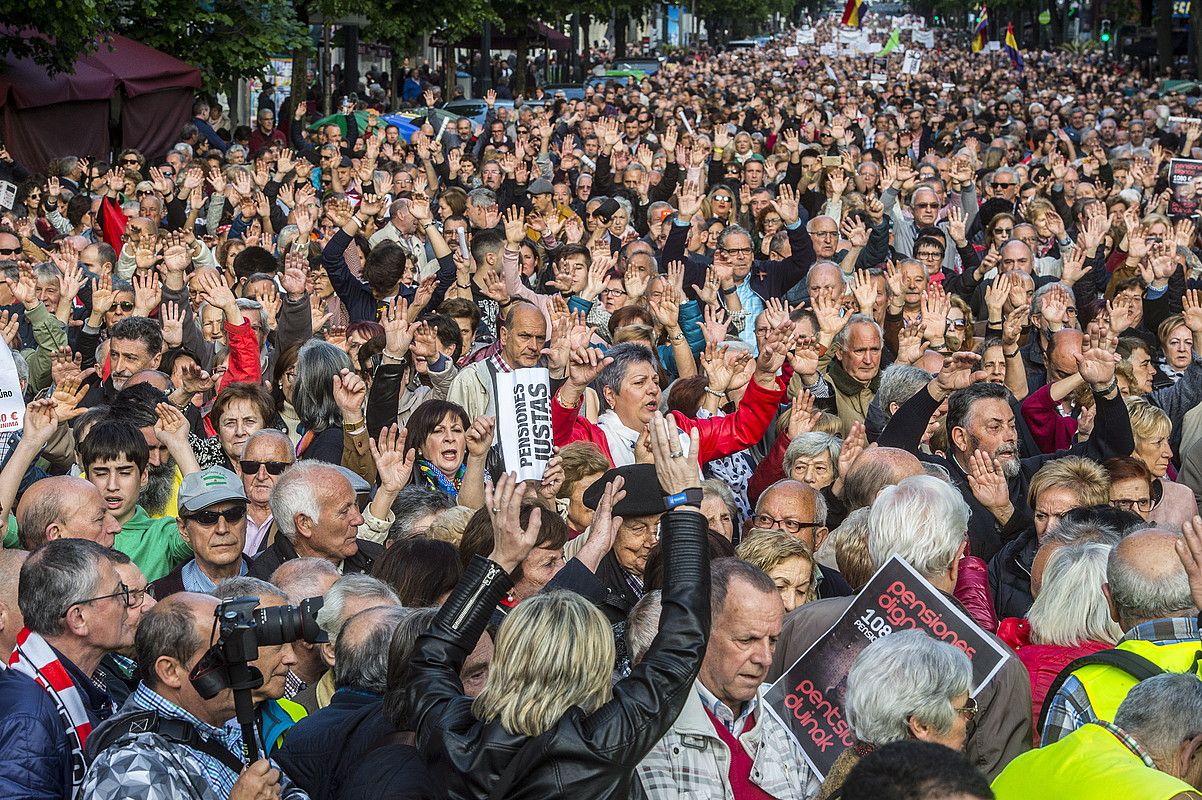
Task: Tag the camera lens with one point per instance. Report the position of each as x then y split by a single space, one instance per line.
280 624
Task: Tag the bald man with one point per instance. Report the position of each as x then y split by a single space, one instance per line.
875 469
11 620
800 511
1149 595
63 507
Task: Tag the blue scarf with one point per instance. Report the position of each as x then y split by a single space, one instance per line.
437 479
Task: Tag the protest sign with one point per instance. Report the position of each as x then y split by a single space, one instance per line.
1185 177
8 195
524 421
830 49
12 405
809 696
806 36
792 52
924 38
912 63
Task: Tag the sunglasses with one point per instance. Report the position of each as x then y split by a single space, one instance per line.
926 205
9 251
230 515
250 467
997 185
721 198
145 192
124 306
129 161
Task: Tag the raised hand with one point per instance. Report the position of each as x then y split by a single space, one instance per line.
776 346
586 364
511 542
394 464
69 394
957 373
1098 358
676 469
194 379
171 315
479 437
349 394
988 484
864 289
515 225
714 323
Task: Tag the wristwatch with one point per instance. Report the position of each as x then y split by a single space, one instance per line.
689 497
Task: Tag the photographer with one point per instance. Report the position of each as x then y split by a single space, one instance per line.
148 765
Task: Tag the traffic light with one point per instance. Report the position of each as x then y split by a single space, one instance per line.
1105 36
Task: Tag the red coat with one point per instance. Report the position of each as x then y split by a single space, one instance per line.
1043 661
243 365
972 590
720 436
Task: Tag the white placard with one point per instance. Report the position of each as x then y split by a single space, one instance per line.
828 49
992 46
806 36
524 421
792 52
8 195
912 63
12 405
924 38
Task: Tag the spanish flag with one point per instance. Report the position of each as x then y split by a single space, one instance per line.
981 34
851 13
1011 47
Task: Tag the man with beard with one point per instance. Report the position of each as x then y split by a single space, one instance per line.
983 441
136 403
115 456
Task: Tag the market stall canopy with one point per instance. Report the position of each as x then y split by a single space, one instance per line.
148 92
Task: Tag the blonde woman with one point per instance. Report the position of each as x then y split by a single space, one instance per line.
549 716
786 560
1153 429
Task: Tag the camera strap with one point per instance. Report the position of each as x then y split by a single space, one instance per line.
170 728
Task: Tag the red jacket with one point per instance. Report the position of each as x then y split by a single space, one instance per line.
1043 661
243 365
972 590
720 436
1051 430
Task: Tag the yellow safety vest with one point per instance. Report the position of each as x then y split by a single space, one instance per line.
1088 764
1107 686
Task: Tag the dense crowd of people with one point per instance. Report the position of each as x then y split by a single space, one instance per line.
795 322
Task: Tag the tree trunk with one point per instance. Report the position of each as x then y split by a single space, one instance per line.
621 25
523 54
1164 34
300 80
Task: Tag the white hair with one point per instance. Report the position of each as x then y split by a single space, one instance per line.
923 520
332 615
1162 712
903 676
296 492
1071 607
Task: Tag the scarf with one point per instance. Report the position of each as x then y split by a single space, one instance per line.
622 440
437 479
846 384
34 657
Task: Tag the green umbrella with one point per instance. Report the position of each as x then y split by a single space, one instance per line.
340 121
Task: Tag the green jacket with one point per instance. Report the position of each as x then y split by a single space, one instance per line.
153 544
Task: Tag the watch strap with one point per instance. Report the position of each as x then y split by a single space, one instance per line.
689 497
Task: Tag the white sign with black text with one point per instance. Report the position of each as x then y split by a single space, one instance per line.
524 421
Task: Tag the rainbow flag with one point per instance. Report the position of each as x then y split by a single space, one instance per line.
1011 47
981 34
851 13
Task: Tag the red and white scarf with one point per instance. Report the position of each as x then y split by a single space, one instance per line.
34 657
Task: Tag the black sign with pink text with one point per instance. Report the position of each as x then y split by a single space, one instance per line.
809 696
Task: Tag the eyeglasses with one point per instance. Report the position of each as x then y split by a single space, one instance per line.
1003 231
124 306
124 592
273 467
956 323
145 192
824 234
969 710
929 254
230 515
721 198
788 525
737 251
9 251
129 161
1144 504
614 292
998 185
926 205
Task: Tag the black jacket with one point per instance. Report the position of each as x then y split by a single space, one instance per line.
329 749
1010 575
583 756
1112 437
282 550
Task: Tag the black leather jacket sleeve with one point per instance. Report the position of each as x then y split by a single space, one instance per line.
648 701
440 652
383 397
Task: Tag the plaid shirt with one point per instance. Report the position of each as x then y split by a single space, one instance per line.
1070 708
691 760
1129 742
